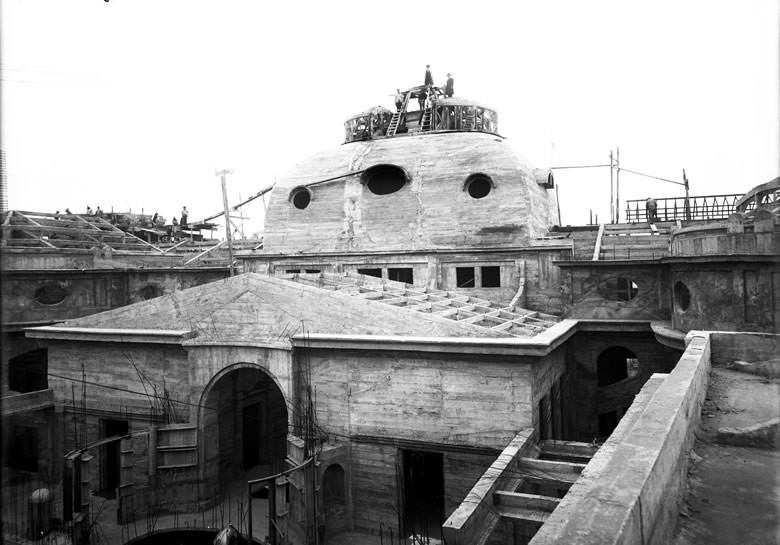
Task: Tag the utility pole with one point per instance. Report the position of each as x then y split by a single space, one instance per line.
611 188
687 202
617 187
222 174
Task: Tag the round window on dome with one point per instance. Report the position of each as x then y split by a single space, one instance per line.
479 185
300 197
384 179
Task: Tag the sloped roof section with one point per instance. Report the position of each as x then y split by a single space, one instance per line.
263 308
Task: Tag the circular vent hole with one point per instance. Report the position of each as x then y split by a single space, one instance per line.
479 186
301 199
384 179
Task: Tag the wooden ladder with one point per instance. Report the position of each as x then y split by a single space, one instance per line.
398 116
426 120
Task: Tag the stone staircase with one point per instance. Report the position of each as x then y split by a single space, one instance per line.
629 241
622 241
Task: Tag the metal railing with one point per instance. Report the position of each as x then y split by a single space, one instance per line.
707 207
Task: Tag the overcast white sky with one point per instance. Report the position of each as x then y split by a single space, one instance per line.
133 104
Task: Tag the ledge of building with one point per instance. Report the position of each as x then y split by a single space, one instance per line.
157 336
667 335
539 345
14 402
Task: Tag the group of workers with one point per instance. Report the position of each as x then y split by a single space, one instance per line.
155 219
427 95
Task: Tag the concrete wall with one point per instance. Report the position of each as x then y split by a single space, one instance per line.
91 291
531 269
630 491
431 211
748 347
732 237
436 398
375 485
45 259
589 399
727 296
466 407
585 296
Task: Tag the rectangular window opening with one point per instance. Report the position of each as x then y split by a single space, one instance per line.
404 274
491 277
464 277
371 272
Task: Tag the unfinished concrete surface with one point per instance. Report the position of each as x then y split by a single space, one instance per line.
630 490
733 493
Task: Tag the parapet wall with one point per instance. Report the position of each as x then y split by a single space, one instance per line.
631 490
754 348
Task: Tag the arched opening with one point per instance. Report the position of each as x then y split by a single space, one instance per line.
334 496
244 424
384 179
615 364
682 297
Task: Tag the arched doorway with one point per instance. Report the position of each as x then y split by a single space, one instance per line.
243 422
615 364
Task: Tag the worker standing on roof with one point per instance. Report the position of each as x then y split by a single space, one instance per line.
449 89
184 215
428 76
98 212
399 99
652 210
89 210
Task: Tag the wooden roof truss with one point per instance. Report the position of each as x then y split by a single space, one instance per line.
514 321
46 230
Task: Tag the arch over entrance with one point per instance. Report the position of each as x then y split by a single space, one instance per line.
242 425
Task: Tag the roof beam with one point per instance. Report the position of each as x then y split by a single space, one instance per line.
527 507
549 472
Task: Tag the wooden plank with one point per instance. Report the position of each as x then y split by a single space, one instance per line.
521 501
597 248
550 472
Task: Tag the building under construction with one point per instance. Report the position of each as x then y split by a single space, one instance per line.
416 352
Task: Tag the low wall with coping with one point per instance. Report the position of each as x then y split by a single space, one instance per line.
631 490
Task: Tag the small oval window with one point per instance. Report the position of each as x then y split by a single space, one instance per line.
50 294
300 197
384 179
478 185
618 289
682 297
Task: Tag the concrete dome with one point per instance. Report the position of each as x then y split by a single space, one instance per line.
458 190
